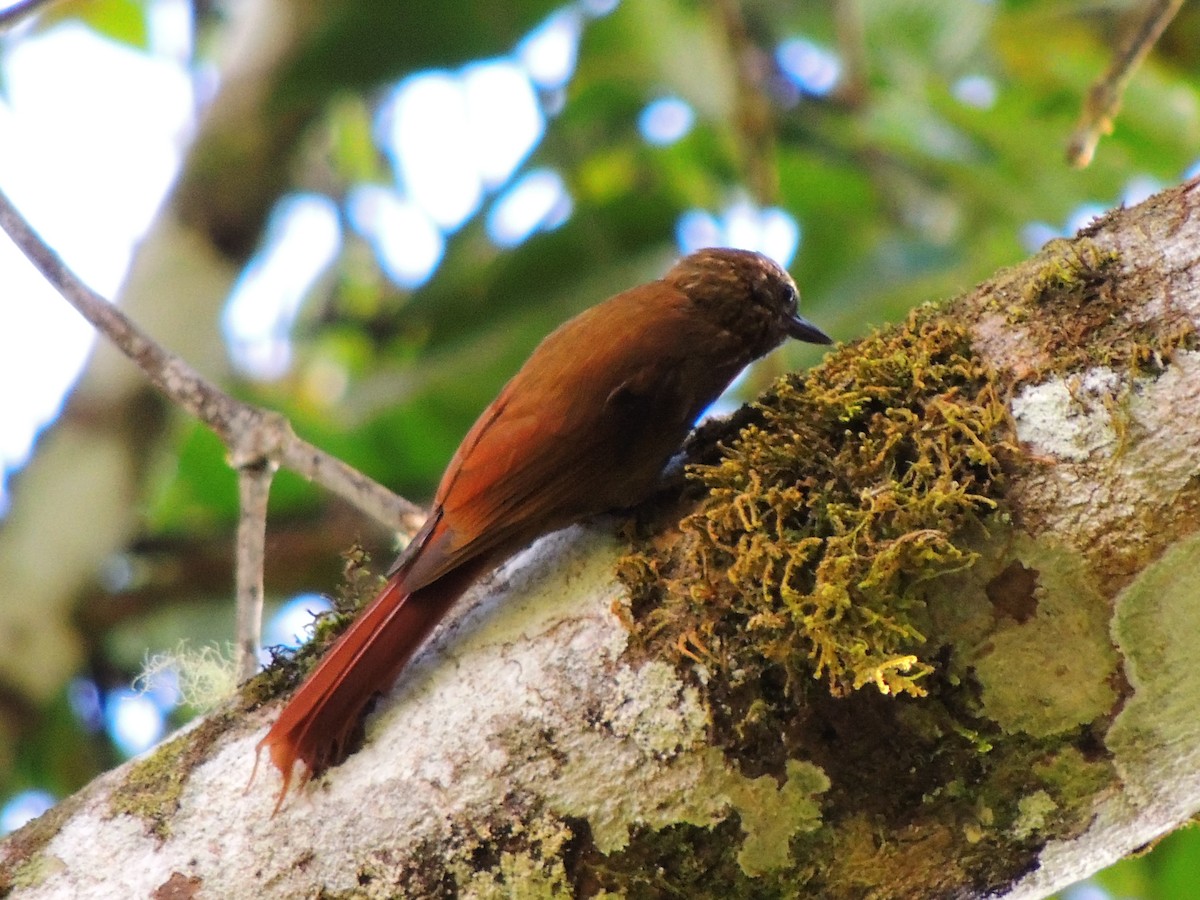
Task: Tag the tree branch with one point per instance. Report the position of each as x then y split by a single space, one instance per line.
258 440
254 487
1103 101
536 746
19 11
253 436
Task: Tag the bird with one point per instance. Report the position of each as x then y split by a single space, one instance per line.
586 426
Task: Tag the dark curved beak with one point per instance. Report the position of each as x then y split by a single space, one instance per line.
801 329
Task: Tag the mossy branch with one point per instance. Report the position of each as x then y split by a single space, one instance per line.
823 522
920 624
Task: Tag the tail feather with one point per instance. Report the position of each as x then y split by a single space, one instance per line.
317 723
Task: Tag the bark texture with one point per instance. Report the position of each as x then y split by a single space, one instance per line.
537 748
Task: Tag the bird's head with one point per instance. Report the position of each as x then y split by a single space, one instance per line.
745 293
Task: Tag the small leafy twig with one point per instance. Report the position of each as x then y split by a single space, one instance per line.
1103 101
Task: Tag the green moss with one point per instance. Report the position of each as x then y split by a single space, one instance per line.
849 514
824 518
1076 268
1071 301
154 784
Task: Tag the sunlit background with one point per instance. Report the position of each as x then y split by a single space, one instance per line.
458 142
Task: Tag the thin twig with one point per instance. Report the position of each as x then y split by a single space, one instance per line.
252 435
18 11
1103 101
258 440
852 49
254 487
753 114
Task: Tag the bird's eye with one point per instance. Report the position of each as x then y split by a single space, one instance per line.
791 301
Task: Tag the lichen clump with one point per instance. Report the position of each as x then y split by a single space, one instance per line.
824 518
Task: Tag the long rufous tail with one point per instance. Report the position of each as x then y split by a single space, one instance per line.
315 726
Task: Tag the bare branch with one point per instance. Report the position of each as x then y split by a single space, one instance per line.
19 11
258 440
253 436
254 487
1104 99
368 495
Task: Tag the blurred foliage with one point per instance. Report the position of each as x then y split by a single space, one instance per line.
364 42
903 193
1166 871
122 20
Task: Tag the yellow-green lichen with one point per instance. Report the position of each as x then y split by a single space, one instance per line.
727 835
772 814
1156 621
520 851
34 871
824 518
1033 813
687 860
154 784
1051 670
531 865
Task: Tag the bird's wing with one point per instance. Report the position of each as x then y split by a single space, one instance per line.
549 442
498 490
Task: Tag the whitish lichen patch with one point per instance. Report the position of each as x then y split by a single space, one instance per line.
1120 471
656 710
1068 418
1164 428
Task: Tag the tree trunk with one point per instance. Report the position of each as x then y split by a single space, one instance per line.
1025 716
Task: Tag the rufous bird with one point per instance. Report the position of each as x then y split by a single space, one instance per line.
586 426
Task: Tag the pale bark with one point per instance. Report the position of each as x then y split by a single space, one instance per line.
532 748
